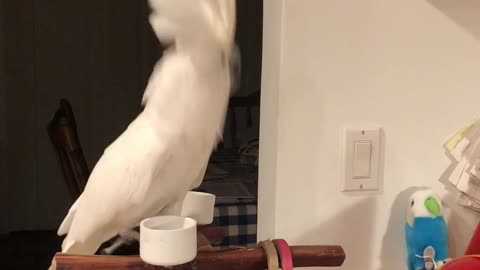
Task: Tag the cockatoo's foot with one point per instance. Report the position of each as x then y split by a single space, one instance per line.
126 238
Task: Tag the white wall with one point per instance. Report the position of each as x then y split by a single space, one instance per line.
410 67
272 26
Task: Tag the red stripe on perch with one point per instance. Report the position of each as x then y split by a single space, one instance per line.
239 259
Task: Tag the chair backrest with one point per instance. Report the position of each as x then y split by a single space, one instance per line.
62 130
248 102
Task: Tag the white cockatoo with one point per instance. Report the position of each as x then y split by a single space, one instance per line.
164 152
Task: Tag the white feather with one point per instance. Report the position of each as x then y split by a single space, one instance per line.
164 151
67 222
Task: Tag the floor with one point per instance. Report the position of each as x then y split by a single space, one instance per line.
28 250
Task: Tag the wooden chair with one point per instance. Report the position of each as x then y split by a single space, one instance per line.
248 102
62 130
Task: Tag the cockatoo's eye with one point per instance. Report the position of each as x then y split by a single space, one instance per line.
412 203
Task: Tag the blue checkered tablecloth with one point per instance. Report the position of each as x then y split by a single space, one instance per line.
239 220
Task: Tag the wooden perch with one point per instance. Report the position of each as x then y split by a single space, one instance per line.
236 259
214 234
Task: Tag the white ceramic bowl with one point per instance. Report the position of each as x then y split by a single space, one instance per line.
199 206
168 240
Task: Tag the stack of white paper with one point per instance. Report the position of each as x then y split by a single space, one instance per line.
464 150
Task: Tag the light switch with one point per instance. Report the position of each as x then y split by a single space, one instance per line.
362 159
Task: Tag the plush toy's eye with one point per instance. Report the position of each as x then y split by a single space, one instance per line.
412 203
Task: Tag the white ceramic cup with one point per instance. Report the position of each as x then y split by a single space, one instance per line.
199 206
168 240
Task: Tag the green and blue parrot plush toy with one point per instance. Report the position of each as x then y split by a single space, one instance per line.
426 232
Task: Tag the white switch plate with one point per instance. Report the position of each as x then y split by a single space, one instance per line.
349 181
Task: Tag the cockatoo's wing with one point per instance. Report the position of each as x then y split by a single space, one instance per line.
67 222
150 166
113 190
136 178
200 176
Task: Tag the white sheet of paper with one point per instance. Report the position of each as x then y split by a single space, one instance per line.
469 187
475 170
452 142
459 150
471 138
454 178
466 201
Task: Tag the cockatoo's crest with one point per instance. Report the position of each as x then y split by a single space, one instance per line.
198 20
194 27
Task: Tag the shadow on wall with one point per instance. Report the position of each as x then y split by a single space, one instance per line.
353 229
394 250
465 13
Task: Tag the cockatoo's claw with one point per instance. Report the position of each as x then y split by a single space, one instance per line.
126 238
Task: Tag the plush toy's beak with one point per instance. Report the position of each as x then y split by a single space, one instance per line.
432 206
